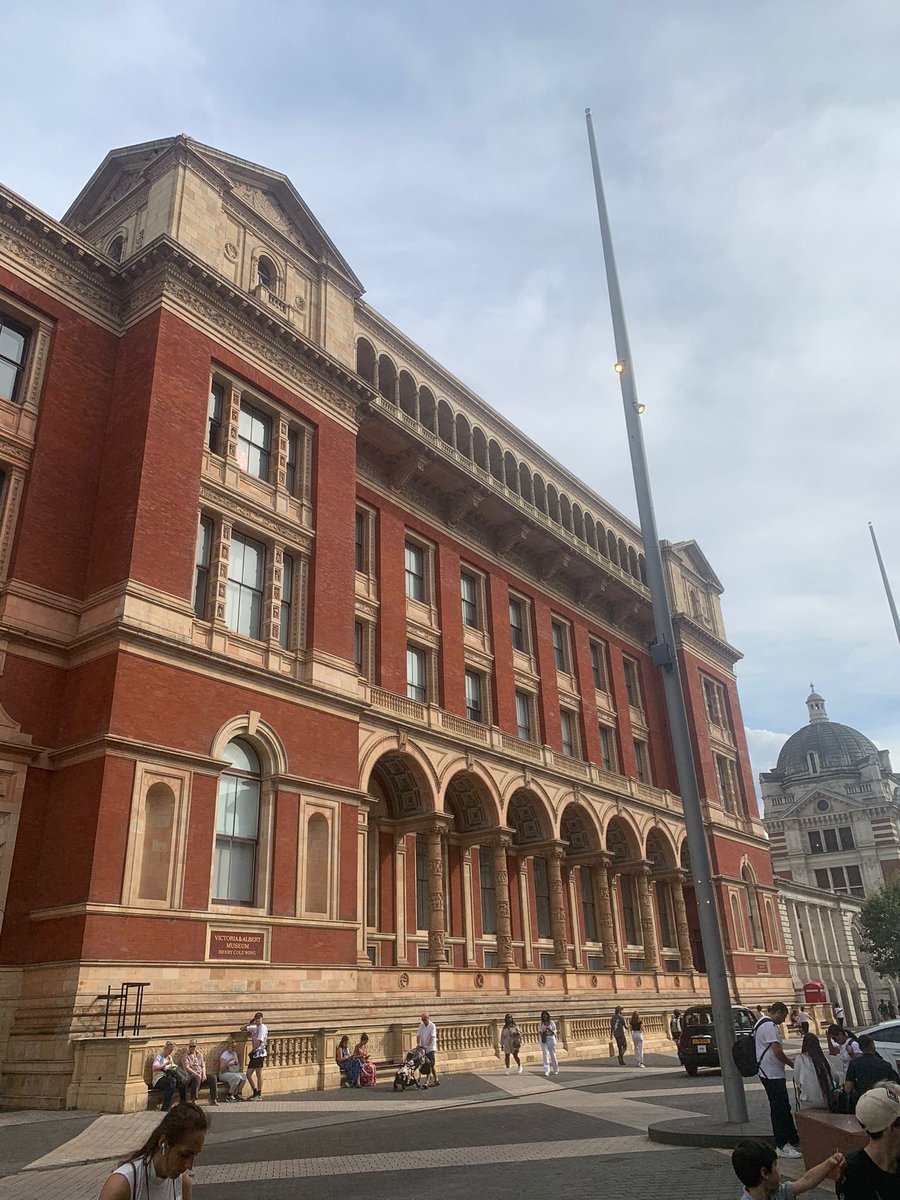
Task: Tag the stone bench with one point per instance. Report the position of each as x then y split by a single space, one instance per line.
822 1133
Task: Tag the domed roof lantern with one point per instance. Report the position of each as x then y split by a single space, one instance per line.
816 706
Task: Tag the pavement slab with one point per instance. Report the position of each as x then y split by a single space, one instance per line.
579 1134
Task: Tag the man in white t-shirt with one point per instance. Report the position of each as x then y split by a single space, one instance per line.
426 1037
771 1062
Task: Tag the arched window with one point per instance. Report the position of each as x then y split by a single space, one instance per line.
237 825
750 905
317 860
365 360
117 247
266 275
156 851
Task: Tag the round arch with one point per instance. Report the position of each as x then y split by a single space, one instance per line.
387 378
528 815
659 848
621 839
261 736
418 763
366 358
468 795
578 826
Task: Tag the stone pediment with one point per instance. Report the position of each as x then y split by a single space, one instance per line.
268 207
695 560
838 802
269 193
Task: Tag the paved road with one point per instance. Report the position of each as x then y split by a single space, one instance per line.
579 1134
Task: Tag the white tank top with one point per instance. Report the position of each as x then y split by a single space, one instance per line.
146 1184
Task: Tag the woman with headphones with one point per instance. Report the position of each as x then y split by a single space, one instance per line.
157 1171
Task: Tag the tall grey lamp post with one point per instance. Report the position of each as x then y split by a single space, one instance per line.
886 582
665 657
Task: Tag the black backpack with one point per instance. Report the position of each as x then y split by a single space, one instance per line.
744 1051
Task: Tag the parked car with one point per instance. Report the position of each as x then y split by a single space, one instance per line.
697 1045
887 1040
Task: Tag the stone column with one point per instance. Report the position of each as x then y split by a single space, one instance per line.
362 884
557 908
681 925
505 958
648 924
607 921
573 909
524 905
400 946
434 846
468 907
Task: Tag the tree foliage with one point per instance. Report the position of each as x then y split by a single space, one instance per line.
880 920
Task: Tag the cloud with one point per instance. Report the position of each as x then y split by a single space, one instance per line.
764 746
751 180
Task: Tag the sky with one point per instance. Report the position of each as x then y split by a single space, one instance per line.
751 156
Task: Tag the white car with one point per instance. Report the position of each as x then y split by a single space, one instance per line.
887 1041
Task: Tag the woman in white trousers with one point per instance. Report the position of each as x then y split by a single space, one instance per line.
547 1034
637 1036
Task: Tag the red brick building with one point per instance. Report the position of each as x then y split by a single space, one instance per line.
320 682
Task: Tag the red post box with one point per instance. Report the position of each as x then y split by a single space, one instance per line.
814 993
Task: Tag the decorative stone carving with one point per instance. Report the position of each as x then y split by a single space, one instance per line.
231 251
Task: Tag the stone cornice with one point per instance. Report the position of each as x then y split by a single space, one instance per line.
57 260
690 631
446 385
164 272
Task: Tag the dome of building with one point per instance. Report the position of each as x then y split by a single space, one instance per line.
837 747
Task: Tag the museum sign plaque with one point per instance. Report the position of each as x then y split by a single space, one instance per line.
235 944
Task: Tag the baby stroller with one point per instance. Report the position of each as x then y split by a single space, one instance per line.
409 1069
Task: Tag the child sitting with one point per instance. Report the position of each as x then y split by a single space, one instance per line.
756 1166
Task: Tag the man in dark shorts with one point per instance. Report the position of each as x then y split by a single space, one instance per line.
872 1173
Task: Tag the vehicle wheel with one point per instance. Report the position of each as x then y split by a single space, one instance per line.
691 1069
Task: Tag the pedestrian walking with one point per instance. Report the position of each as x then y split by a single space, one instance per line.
803 1020
675 1026
547 1034
618 1034
157 1171
426 1037
637 1038
883 1010
813 1081
771 1061
511 1042
838 1009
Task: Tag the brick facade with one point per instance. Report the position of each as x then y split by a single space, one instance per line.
384 850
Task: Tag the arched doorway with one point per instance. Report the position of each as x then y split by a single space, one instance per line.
395 883
478 908
541 905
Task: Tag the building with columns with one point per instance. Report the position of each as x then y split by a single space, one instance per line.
832 811
832 808
324 690
823 936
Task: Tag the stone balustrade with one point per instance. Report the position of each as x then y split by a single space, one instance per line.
111 1074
